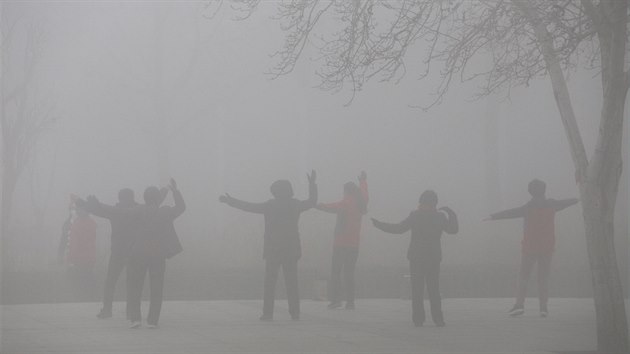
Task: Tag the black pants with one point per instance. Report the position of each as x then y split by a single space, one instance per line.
136 271
117 262
289 270
344 260
425 271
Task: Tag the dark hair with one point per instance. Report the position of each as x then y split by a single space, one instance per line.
350 188
536 188
152 196
125 196
281 189
429 198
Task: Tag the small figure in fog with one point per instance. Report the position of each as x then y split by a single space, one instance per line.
349 211
538 241
282 246
155 242
427 223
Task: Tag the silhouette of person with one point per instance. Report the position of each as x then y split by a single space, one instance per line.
156 241
123 230
427 224
349 211
538 241
281 239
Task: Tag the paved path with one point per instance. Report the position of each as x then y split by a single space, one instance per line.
376 326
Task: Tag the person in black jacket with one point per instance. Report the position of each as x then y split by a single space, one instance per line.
425 252
282 239
156 241
123 229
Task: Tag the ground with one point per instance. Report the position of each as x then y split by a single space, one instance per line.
376 326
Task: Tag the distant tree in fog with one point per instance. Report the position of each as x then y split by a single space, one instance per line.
361 40
25 114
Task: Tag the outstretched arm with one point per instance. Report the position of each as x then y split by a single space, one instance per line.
333 208
451 226
509 213
399 228
312 192
180 206
363 186
564 203
257 208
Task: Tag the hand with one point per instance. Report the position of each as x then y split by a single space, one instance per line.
362 176
172 185
311 177
224 198
487 219
374 221
91 199
445 208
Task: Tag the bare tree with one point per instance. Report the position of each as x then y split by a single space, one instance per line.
25 116
525 39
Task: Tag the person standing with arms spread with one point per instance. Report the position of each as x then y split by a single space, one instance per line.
538 241
349 211
427 224
282 246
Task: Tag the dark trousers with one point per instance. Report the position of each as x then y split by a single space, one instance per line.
136 271
527 263
425 271
117 262
344 260
289 270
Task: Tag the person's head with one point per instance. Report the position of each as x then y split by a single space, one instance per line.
125 196
428 198
537 188
350 189
281 189
152 196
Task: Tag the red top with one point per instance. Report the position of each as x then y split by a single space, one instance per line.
539 235
82 242
349 216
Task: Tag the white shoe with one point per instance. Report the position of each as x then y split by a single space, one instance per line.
152 326
135 324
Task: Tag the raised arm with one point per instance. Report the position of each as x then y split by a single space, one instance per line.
510 213
451 225
399 228
180 206
563 203
363 186
312 193
257 208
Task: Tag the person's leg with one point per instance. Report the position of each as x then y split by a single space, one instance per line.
271 277
290 272
349 265
335 278
433 288
417 292
114 267
157 269
527 262
544 266
136 272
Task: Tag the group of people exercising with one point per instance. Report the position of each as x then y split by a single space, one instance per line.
143 237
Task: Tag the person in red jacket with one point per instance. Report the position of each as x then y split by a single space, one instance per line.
349 211
538 241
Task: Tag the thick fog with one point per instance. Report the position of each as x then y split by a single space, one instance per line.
149 91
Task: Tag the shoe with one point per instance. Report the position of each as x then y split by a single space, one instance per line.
418 324
516 311
295 317
135 324
543 313
104 314
266 318
349 305
440 324
152 326
334 305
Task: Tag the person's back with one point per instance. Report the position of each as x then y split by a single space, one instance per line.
282 236
427 226
82 240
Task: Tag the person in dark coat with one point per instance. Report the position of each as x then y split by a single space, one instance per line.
427 223
123 229
281 239
538 241
156 241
